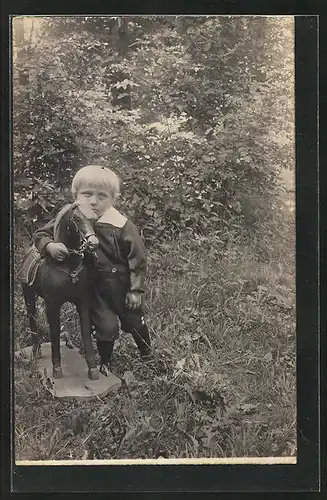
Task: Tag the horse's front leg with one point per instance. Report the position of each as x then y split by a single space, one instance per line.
53 315
83 308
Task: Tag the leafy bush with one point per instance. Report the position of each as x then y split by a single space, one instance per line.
194 114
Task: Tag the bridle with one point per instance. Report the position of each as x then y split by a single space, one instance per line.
84 241
74 274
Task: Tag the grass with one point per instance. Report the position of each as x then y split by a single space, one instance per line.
222 320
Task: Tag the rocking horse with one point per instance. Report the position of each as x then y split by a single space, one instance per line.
61 282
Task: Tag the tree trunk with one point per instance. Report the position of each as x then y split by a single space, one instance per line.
19 46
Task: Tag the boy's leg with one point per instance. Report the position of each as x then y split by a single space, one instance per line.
105 350
133 322
110 296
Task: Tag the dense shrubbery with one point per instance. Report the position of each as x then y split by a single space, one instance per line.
193 113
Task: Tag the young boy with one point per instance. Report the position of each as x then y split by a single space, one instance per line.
120 268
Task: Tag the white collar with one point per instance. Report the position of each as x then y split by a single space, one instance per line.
113 217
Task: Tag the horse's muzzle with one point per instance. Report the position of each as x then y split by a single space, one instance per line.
92 242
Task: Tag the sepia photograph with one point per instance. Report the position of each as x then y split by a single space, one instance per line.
154 296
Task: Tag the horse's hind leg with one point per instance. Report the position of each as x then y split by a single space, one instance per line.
29 293
53 316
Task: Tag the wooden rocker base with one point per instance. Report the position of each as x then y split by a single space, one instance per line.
75 383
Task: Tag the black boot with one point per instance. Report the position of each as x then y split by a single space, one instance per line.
105 350
143 342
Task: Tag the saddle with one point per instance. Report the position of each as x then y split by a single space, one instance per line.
30 266
33 260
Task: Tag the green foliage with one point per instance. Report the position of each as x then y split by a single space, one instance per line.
195 114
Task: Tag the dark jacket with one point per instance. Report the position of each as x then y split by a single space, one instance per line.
121 248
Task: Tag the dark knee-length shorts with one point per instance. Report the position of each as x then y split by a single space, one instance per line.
108 306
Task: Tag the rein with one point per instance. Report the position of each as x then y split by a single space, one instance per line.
74 274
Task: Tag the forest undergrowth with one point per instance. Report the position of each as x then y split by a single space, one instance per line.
221 313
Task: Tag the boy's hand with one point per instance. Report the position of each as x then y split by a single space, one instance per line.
58 251
133 300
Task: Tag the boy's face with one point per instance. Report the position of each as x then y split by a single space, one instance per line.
98 199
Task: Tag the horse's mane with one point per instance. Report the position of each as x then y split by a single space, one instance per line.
86 211
60 215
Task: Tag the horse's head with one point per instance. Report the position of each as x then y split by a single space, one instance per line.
75 228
